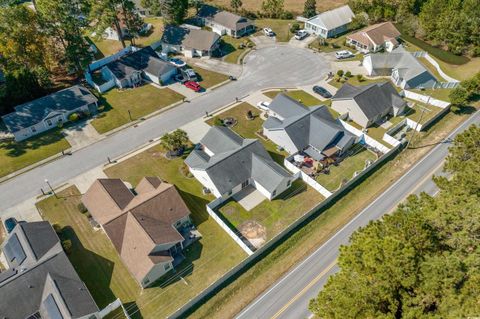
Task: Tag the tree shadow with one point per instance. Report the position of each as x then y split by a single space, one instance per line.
197 207
15 149
132 310
223 50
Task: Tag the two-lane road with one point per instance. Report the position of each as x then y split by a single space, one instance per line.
289 297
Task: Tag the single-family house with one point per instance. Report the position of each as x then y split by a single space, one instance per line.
224 22
131 69
39 280
405 70
48 112
330 24
375 38
149 226
189 41
226 163
310 130
367 104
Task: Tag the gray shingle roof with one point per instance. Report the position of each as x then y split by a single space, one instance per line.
333 18
373 99
236 160
34 112
40 236
224 18
21 291
145 59
286 106
190 38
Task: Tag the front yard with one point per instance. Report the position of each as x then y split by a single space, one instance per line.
139 102
230 49
18 155
353 80
208 78
354 162
299 95
99 265
280 27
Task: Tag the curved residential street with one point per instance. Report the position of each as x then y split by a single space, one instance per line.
273 66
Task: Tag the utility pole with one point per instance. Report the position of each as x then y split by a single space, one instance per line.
416 126
51 188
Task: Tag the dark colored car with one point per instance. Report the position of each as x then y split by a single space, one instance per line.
322 91
10 224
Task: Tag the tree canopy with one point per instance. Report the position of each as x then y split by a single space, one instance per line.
310 8
423 260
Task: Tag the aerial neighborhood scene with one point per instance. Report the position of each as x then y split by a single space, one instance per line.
269 159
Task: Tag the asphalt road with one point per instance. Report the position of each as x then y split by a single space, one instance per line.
278 66
289 297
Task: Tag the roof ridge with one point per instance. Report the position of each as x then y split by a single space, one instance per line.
103 186
154 193
268 163
240 148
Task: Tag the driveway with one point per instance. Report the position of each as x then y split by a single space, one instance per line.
262 41
353 66
275 66
81 135
301 43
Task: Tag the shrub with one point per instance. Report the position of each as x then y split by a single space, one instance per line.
67 246
73 117
476 51
286 15
217 122
185 170
348 74
295 27
250 115
60 124
57 228
82 208
360 78
101 108
340 73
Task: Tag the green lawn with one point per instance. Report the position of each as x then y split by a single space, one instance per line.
280 27
208 78
334 45
277 214
249 128
139 101
354 81
342 173
18 155
415 112
375 131
231 50
439 94
299 95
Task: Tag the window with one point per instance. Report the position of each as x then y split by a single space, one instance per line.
49 122
289 183
178 223
245 184
34 129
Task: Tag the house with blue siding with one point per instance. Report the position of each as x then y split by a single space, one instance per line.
330 24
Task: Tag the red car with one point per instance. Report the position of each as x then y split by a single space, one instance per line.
193 85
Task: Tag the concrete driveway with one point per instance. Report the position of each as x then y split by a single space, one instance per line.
276 66
81 135
262 41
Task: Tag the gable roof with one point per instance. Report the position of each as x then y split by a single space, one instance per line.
376 34
190 38
145 59
36 111
40 236
372 99
227 19
21 292
305 127
235 160
333 18
285 106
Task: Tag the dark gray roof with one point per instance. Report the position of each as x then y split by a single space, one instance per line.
307 126
40 236
227 19
21 291
145 59
34 112
13 250
373 99
190 38
236 160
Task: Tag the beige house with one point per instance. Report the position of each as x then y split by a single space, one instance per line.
149 226
367 104
375 38
224 22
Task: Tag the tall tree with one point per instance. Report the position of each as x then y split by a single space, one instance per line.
197 4
153 6
21 85
132 19
273 8
236 4
174 11
310 8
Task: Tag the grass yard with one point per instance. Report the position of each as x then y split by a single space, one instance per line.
280 27
230 48
344 172
295 6
432 69
18 155
354 81
439 94
233 298
375 131
208 78
299 95
249 128
415 112
139 101
333 45
277 214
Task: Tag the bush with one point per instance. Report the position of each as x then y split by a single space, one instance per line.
57 228
73 117
359 78
185 170
295 27
348 74
67 246
217 122
476 52
340 73
101 108
82 208
286 15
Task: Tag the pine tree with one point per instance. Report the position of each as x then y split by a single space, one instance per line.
174 11
310 8
236 4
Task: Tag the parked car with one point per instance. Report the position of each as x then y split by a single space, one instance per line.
263 105
268 32
180 78
10 224
193 86
322 91
189 74
301 34
344 54
178 63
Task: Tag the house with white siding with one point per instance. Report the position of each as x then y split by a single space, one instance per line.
330 24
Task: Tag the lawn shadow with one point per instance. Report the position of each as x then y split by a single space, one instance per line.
197 207
224 50
16 149
94 270
132 310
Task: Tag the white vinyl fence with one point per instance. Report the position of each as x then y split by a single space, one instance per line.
425 99
307 179
368 140
111 307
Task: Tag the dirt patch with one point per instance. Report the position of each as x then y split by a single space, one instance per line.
255 233
229 210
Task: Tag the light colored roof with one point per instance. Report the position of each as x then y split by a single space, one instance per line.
190 38
224 18
333 18
376 34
